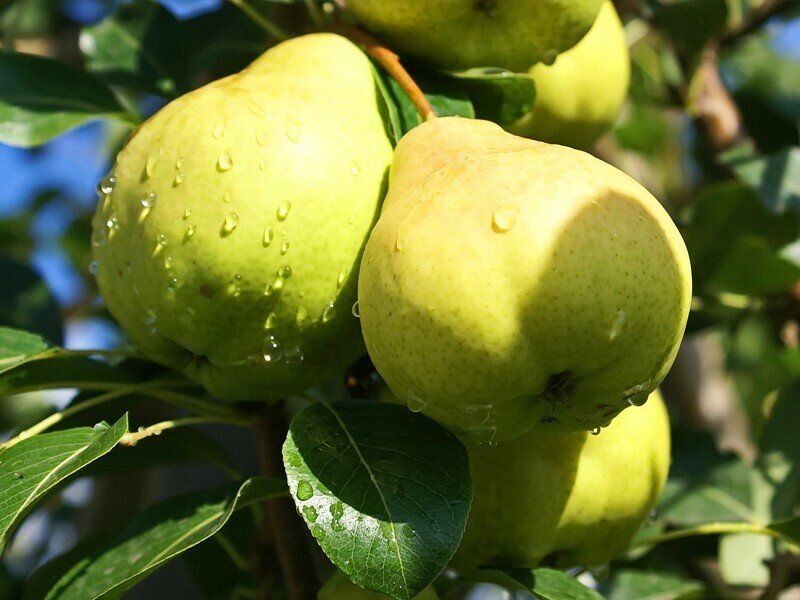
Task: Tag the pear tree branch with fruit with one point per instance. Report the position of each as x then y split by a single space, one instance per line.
378 259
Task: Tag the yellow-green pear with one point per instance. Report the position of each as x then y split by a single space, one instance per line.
579 96
460 34
511 283
229 233
575 499
339 587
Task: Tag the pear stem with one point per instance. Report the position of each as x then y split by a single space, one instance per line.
391 62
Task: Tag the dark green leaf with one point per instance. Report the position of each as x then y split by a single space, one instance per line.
789 529
157 535
779 456
32 467
689 23
26 301
649 585
384 491
41 98
59 372
551 584
498 95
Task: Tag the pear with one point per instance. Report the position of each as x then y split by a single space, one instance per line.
579 96
339 587
575 499
511 284
460 34
229 233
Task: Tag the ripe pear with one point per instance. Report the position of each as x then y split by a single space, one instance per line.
511 283
579 96
229 233
339 587
460 34
576 499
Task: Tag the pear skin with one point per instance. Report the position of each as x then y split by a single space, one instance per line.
229 233
579 96
511 284
576 499
461 34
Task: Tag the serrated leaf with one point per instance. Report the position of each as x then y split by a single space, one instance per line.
384 491
498 95
41 98
552 584
156 536
31 468
649 585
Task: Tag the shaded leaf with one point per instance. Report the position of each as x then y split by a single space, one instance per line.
54 371
552 584
41 98
18 347
32 467
498 95
650 585
156 536
775 178
384 491
26 301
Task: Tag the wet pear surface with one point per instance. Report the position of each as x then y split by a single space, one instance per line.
228 237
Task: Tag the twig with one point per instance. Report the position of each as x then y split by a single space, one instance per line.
709 529
314 13
133 438
391 62
755 19
257 18
285 526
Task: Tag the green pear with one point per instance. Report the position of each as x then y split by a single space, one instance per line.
579 96
511 283
339 587
574 499
229 233
460 34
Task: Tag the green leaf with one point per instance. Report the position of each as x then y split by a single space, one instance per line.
789 529
60 372
779 455
156 536
552 584
41 98
649 585
498 95
18 347
690 23
31 468
743 559
775 178
384 491
26 301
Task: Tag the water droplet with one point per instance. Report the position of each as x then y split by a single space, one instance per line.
112 225
304 490
179 177
337 510
18 475
310 513
161 243
504 218
227 196
283 210
107 184
272 351
483 435
148 202
218 132
187 235
150 322
318 532
262 164
172 282
549 56
272 319
341 278
355 169
225 161
414 401
356 310
261 137
292 129
168 262
268 236
479 413
351 218
187 213
398 244
179 163
229 224
637 395
295 354
99 236
150 165
595 431
618 326
285 272
302 315
234 289
93 267
285 247
328 312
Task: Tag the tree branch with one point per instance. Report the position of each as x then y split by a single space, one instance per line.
391 62
755 19
285 527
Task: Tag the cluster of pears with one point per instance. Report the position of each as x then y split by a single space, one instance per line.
518 292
